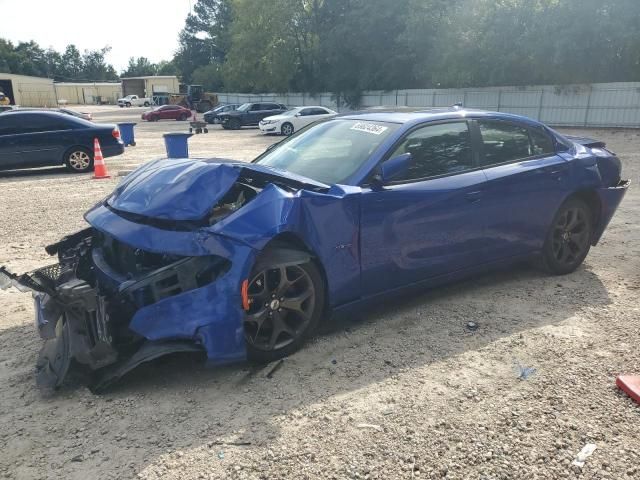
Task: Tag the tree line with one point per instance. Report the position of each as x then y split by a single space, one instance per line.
348 46
28 58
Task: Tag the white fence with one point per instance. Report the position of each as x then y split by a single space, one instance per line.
594 105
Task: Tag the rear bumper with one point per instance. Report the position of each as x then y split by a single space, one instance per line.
610 198
113 150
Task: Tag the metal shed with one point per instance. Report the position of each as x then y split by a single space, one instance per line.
88 92
150 86
28 91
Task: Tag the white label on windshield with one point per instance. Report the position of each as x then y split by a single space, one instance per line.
369 128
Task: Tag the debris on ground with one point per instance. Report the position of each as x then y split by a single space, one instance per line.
630 384
472 326
585 453
524 372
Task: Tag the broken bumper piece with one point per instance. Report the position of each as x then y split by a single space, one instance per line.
110 306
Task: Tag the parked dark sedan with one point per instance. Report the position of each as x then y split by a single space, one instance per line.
167 112
212 115
249 114
34 138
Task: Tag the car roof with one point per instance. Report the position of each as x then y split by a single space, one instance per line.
419 115
48 113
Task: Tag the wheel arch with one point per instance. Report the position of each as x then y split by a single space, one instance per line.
592 199
290 241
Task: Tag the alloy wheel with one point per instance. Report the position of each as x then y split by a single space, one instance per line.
79 160
282 301
287 129
570 236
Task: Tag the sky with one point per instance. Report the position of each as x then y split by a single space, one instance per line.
133 28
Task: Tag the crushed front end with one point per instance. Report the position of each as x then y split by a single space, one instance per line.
108 305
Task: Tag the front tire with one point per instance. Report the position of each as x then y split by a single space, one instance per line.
569 238
286 303
234 124
79 160
127 104
287 129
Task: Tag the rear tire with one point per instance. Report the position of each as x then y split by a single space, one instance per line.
286 305
79 160
569 238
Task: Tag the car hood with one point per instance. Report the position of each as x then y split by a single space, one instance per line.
188 189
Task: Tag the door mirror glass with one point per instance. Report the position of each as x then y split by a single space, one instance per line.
395 167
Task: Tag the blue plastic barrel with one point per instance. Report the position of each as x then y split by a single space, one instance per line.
176 144
126 133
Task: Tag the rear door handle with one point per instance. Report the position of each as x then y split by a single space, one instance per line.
473 197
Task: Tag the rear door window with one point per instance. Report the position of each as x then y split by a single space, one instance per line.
503 142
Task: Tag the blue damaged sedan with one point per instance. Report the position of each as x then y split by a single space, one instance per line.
244 260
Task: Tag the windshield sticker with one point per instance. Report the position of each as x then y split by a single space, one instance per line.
369 128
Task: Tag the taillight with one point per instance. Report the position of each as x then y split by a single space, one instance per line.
116 133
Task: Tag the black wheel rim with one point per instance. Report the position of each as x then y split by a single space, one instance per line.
281 304
570 236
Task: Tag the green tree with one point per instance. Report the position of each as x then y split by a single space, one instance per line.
206 37
140 67
95 67
209 76
71 66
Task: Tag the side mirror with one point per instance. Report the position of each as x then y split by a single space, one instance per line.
394 168
297 115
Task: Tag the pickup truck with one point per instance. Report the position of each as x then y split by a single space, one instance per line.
135 101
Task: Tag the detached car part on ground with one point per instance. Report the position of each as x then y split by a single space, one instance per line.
243 260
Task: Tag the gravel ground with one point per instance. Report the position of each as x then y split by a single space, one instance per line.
404 391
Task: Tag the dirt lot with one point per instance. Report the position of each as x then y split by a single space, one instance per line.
403 392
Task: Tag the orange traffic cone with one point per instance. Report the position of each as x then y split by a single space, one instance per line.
99 167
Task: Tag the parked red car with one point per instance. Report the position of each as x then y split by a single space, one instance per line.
167 112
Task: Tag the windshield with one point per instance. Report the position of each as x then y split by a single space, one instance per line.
328 152
244 107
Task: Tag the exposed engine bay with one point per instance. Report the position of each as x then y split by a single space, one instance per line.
84 317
